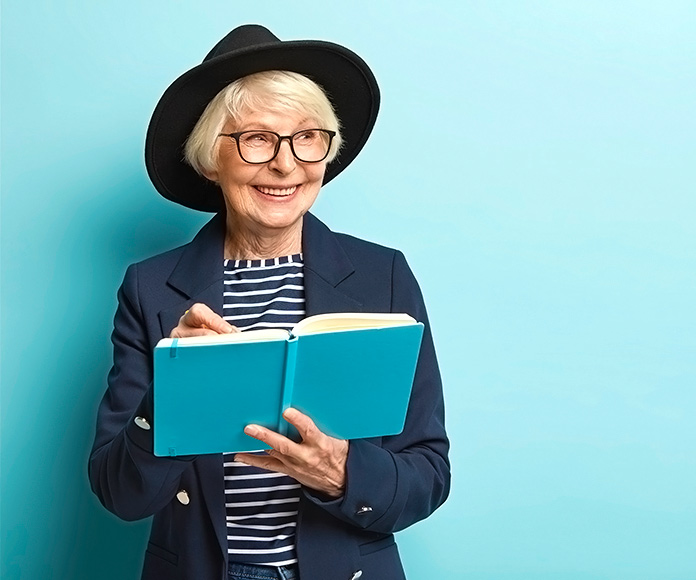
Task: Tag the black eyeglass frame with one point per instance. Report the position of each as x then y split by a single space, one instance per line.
238 134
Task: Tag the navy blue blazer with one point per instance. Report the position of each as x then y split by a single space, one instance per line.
392 482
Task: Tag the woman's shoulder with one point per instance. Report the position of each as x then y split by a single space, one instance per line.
376 273
355 247
166 258
361 245
157 266
206 245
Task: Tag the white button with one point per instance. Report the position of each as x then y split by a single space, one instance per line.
365 509
183 497
142 423
356 575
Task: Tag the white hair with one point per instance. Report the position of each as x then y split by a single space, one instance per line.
265 91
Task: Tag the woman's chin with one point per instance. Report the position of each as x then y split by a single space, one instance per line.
278 220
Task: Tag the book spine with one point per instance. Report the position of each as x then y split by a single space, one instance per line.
288 383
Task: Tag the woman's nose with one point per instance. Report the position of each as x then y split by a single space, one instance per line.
285 161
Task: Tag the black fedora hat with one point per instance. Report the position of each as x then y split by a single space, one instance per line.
344 76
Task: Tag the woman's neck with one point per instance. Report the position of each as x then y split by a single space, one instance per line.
241 243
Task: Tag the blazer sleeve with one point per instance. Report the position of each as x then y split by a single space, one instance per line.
128 479
399 480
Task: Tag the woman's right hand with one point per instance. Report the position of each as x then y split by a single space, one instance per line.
199 320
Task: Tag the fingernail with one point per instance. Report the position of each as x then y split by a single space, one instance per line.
251 430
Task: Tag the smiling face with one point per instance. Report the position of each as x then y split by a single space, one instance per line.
266 202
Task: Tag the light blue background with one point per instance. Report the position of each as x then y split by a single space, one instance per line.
535 160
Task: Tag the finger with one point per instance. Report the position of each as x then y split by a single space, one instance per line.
261 461
201 316
276 441
183 332
304 425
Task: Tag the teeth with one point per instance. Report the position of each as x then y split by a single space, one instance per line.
277 192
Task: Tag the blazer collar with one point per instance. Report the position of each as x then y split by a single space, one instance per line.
200 265
322 252
198 275
326 268
326 265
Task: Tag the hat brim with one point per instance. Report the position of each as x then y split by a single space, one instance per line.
344 76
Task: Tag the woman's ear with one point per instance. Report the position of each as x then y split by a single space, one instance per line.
211 174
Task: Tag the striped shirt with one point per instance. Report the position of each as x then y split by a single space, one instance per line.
262 505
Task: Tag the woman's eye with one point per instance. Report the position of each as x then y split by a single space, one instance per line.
256 139
305 136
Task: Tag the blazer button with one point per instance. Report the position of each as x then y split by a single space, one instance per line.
142 422
363 509
356 575
183 497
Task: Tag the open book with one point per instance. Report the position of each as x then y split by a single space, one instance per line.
351 373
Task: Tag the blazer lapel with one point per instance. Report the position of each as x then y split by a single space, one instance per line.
326 265
198 276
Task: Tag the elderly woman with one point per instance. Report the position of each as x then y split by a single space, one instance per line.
252 134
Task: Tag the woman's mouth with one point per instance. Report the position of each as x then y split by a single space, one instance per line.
275 191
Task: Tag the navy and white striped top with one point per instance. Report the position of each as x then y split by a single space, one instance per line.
262 505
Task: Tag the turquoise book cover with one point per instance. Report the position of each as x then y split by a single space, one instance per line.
351 373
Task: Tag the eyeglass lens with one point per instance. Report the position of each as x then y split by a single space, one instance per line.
310 146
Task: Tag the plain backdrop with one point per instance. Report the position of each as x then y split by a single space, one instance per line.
534 160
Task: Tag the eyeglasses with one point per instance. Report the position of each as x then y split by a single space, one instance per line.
308 145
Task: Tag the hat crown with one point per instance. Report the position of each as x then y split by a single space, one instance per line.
243 37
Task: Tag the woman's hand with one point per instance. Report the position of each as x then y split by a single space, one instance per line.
199 320
319 461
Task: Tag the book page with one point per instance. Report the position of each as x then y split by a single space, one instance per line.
339 321
246 336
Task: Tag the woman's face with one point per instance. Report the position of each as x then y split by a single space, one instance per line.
269 198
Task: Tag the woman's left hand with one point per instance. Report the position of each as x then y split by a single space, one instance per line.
318 462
